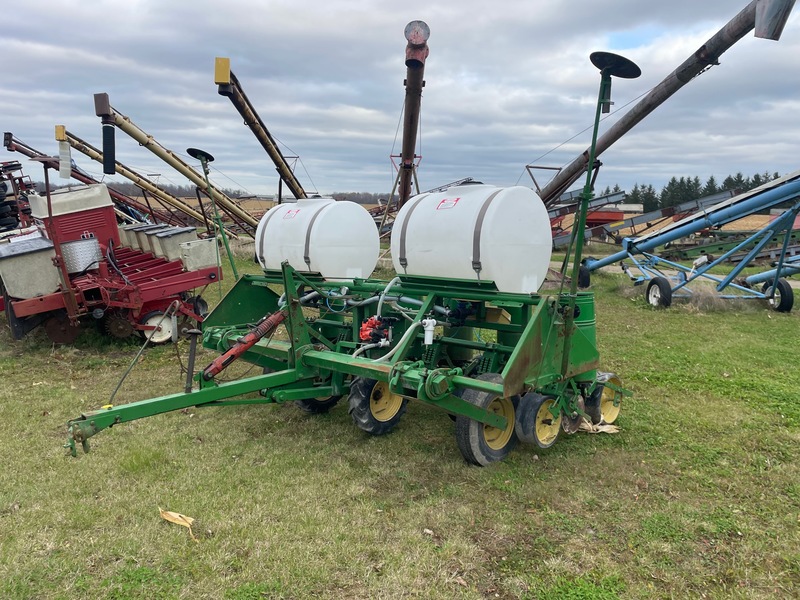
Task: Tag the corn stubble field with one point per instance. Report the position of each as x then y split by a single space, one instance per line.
698 496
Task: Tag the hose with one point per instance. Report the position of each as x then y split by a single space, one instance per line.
363 349
402 340
384 292
113 262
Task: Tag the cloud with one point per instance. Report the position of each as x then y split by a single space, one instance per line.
505 86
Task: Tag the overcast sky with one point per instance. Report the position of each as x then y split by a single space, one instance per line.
506 83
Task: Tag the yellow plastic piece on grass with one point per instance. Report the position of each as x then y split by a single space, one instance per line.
107 406
178 519
587 427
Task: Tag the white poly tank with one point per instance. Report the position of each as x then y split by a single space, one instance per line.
339 240
477 232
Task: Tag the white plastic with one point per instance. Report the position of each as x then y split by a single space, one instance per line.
435 234
70 199
165 243
428 326
26 268
199 254
339 240
143 233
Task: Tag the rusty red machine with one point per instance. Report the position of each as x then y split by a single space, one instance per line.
75 263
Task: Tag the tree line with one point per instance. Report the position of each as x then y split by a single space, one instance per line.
676 191
685 189
189 191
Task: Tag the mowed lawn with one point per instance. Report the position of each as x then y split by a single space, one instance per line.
698 495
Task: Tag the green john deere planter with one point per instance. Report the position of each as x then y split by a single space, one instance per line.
466 326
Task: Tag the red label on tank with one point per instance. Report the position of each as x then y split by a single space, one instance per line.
447 203
291 214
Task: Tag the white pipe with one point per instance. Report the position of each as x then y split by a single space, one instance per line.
406 335
363 349
385 291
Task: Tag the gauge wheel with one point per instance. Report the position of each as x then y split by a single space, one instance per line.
601 406
546 427
374 407
482 444
163 333
659 292
783 298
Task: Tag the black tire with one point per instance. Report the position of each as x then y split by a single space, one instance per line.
199 306
481 444
373 407
659 293
4 210
535 423
11 205
584 277
783 299
9 222
317 406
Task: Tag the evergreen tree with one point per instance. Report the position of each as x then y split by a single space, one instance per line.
670 193
649 198
695 188
729 183
756 180
635 195
710 188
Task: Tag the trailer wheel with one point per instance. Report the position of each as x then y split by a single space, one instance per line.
374 407
163 334
600 405
314 406
584 277
317 406
659 292
482 444
783 298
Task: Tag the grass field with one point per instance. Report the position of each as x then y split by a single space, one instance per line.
698 496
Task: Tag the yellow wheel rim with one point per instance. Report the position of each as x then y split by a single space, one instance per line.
383 403
497 438
608 410
547 426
